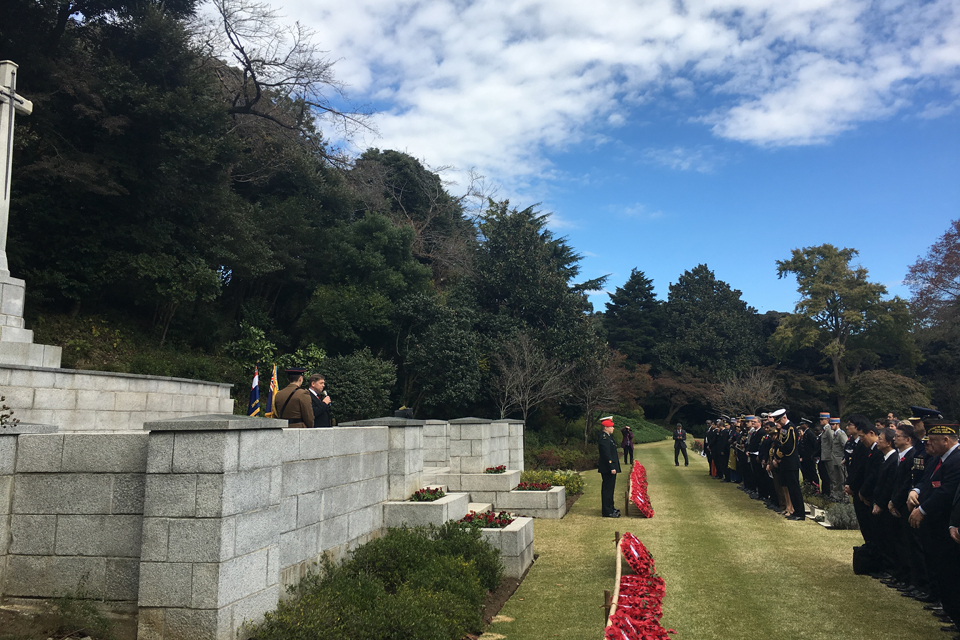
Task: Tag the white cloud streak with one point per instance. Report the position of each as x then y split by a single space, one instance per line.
499 84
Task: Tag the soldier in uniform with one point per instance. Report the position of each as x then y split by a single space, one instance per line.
788 461
721 447
608 465
680 444
293 403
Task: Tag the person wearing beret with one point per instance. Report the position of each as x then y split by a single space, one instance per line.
931 503
608 465
293 403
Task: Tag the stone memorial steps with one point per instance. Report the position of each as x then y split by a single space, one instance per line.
479 507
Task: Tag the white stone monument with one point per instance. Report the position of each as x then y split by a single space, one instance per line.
16 342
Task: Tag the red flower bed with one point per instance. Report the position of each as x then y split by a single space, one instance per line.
639 603
534 486
488 519
638 490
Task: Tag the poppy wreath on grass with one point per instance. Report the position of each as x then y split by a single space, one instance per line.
638 490
640 599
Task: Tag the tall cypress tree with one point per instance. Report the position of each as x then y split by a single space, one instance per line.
634 318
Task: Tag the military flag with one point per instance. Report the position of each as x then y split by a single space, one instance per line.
272 393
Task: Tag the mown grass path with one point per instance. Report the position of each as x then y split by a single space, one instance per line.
733 569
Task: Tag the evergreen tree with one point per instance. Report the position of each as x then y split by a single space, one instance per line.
634 318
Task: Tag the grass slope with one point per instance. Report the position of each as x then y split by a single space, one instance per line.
733 569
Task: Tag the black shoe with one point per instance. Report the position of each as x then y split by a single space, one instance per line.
924 597
612 515
686 464
952 627
676 464
795 518
933 607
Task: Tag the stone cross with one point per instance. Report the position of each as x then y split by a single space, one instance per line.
11 103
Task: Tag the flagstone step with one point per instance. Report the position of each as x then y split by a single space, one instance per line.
479 507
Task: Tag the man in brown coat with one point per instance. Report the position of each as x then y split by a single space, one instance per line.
293 403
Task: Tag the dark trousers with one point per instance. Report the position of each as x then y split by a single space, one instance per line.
628 451
678 446
722 462
887 528
864 518
919 576
824 478
791 482
943 562
809 470
607 486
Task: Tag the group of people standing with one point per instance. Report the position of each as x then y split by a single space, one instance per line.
303 407
902 477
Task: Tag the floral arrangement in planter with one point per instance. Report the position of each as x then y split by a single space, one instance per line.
639 605
488 519
534 486
427 495
498 469
697 446
638 490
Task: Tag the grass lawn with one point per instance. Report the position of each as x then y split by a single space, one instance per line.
733 569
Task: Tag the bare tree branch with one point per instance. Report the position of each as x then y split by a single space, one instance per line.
527 377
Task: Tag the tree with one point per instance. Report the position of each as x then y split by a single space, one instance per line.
683 388
707 326
750 391
276 73
934 280
522 280
359 384
604 383
875 393
840 313
526 377
634 318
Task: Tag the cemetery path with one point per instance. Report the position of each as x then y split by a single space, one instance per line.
733 569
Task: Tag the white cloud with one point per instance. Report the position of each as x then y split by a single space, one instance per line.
702 159
499 84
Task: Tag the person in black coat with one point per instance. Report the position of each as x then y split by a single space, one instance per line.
721 448
680 445
856 471
932 504
911 571
608 465
320 401
788 461
884 524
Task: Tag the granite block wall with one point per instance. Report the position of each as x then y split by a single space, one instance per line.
101 401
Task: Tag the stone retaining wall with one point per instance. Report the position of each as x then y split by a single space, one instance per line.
101 401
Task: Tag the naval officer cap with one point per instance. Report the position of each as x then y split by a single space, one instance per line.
776 414
923 413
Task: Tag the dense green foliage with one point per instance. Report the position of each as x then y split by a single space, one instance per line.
570 480
410 584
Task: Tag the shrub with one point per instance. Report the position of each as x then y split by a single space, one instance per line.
411 584
571 481
842 516
568 457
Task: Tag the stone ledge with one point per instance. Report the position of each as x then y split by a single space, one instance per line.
384 422
484 482
452 506
214 422
25 427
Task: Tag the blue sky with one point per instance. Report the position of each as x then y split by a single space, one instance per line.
666 133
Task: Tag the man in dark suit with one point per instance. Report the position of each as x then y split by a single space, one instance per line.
912 569
856 471
787 460
721 448
884 523
932 503
680 444
320 401
609 466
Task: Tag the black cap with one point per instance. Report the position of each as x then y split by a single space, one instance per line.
922 413
295 372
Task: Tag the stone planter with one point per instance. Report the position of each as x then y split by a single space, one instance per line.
536 504
515 543
452 506
482 483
